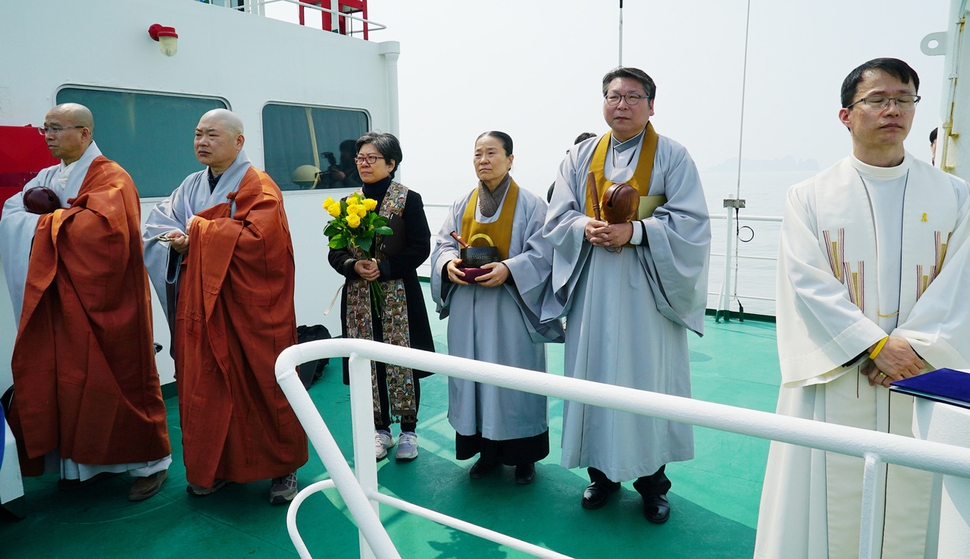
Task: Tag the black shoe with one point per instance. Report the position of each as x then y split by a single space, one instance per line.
480 469
525 473
598 493
656 509
653 489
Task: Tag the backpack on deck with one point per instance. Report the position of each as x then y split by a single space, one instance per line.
312 370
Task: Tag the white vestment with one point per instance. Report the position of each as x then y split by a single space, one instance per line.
628 312
498 324
864 252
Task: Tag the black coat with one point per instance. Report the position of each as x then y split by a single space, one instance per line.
402 266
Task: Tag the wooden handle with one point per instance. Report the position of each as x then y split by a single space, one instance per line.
591 185
458 238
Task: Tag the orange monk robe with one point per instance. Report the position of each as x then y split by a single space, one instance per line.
84 362
235 316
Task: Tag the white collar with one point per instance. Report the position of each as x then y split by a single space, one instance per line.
882 173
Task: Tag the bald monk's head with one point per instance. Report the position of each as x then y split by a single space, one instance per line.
218 139
69 130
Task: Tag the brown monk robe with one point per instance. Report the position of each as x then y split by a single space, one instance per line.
235 315
83 364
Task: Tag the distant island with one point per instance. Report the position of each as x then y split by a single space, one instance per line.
780 165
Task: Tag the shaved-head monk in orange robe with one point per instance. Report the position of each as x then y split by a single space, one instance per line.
219 253
85 383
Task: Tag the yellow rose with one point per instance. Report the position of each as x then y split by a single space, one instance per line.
370 204
328 202
353 221
334 209
352 208
361 211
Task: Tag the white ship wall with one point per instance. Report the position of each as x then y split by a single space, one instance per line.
245 59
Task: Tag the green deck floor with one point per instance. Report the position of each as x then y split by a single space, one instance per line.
714 498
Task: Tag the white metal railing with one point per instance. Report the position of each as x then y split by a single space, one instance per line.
361 493
731 257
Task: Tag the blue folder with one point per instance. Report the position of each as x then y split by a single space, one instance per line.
942 385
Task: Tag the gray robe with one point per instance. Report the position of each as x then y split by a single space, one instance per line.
498 324
18 225
173 213
628 313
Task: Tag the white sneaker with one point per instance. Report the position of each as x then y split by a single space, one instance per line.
382 441
408 449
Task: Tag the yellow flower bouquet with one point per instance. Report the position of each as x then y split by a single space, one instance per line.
355 223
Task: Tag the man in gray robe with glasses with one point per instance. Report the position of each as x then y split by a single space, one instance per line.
630 292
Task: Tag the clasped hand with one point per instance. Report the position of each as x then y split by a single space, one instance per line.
498 275
602 234
897 360
367 269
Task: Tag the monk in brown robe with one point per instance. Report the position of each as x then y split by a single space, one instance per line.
85 382
224 267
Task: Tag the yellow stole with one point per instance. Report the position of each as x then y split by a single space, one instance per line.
497 233
641 177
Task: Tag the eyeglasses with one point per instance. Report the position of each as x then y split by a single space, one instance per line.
879 102
55 129
631 99
370 159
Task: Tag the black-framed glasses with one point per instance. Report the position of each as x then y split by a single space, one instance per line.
881 102
631 99
55 129
370 159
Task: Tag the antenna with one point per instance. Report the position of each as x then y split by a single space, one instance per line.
621 33
744 83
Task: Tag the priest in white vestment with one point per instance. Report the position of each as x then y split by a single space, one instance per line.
630 292
871 289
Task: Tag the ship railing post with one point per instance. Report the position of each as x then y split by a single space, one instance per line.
873 502
362 425
732 205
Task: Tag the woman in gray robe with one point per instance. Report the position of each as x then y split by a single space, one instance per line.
495 316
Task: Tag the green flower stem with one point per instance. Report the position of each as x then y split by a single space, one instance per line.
377 294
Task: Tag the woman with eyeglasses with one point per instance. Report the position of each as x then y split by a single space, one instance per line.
402 318
494 316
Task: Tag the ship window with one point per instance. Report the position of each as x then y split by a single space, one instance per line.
308 139
149 134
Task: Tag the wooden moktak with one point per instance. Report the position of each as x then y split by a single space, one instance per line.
619 204
41 200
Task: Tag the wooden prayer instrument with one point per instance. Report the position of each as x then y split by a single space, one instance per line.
41 200
620 203
594 195
461 242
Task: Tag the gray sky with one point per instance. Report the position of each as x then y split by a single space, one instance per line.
532 68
